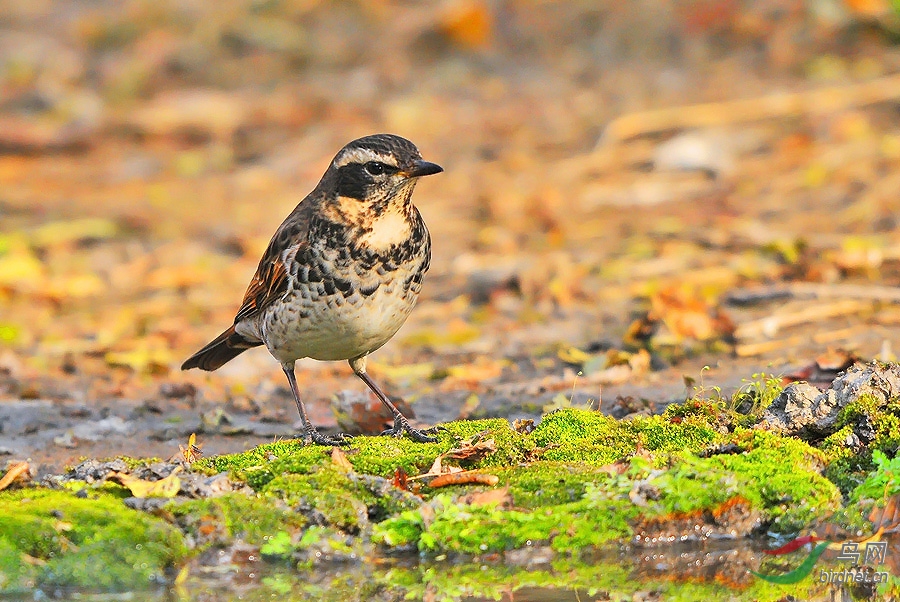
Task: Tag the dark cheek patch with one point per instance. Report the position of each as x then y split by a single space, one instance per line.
352 182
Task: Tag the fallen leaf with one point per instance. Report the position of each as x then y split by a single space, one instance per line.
688 315
473 448
468 23
464 478
70 231
339 459
142 359
62 526
574 356
76 286
523 425
869 8
400 479
166 487
67 440
218 421
15 471
490 497
435 467
360 412
192 452
19 269
824 369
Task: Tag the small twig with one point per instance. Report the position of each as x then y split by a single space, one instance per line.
770 325
748 296
816 102
752 349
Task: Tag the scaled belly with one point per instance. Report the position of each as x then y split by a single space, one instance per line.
343 329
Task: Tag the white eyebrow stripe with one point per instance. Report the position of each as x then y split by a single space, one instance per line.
363 155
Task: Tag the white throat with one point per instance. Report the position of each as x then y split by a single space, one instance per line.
390 228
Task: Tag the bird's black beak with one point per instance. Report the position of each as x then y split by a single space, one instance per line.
423 168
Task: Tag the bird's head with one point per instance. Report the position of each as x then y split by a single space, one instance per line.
377 174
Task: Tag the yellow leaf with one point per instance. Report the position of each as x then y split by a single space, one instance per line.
77 286
154 361
167 487
62 232
573 355
20 267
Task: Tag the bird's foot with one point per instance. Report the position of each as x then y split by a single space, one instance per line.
317 438
401 425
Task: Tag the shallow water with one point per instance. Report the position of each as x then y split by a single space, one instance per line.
712 570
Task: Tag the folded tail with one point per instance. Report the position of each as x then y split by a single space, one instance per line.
223 348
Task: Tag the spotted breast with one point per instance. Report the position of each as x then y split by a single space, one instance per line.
348 294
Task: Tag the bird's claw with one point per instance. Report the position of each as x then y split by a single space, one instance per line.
401 425
315 437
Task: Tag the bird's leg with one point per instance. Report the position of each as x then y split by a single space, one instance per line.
401 424
309 431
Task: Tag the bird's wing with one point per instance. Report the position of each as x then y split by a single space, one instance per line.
271 279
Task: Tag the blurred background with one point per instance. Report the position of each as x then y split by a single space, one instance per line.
633 191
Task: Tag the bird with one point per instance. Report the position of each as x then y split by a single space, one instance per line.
341 274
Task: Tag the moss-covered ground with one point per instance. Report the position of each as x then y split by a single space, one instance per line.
55 538
578 483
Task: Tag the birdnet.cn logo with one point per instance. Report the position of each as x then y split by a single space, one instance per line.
862 556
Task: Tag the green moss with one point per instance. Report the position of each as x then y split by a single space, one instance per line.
848 468
585 436
327 490
136 463
708 410
219 520
382 456
574 505
261 464
379 456
845 468
582 436
781 476
512 447
71 536
864 405
689 485
655 433
443 526
543 484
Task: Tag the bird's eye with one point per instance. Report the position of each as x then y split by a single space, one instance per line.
374 168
